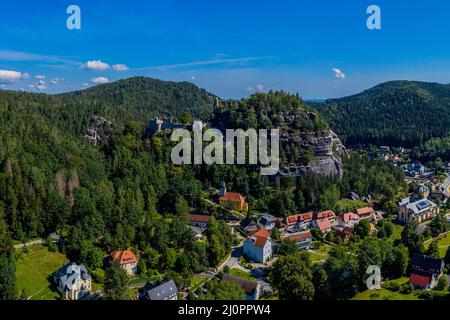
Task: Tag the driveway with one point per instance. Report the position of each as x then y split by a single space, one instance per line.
233 262
422 226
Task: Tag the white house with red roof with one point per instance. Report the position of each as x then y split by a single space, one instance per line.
127 260
199 220
299 221
258 246
365 213
302 239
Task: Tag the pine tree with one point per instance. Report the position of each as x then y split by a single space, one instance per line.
7 263
116 283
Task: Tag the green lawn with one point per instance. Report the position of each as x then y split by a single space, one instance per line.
444 243
384 294
197 281
98 276
397 235
241 274
319 254
33 272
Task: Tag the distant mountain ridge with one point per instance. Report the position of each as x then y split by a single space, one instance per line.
404 113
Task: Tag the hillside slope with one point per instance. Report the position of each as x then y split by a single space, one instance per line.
392 113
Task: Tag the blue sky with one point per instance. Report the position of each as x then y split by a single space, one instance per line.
232 48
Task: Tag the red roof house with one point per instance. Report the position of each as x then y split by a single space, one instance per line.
200 220
324 225
127 260
365 213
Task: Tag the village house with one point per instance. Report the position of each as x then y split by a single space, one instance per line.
376 217
365 213
300 221
418 211
349 220
423 190
127 260
329 214
267 221
233 201
165 291
425 272
414 169
324 225
251 288
250 226
72 281
199 220
345 233
303 240
441 191
258 246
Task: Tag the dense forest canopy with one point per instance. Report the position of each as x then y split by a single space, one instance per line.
397 113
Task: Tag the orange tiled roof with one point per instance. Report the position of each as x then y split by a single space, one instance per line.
199 218
124 257
299 217
347 217
325 214
301 236
364 211
232 196
260 238
323 224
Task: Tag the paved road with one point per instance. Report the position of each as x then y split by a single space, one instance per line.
233 262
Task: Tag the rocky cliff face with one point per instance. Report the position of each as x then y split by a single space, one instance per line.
328 154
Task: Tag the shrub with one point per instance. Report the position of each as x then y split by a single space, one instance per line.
426 295
443 283
393 286
407 288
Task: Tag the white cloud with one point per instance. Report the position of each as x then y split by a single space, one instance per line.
40 77
205 63
95 65
9 76
56 80
259 88
85 84
100 80
193 78
41 85
338 73
120 67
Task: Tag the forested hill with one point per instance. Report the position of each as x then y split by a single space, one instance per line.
142 97
392 113
137 99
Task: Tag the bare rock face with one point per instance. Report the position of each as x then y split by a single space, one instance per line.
328 154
